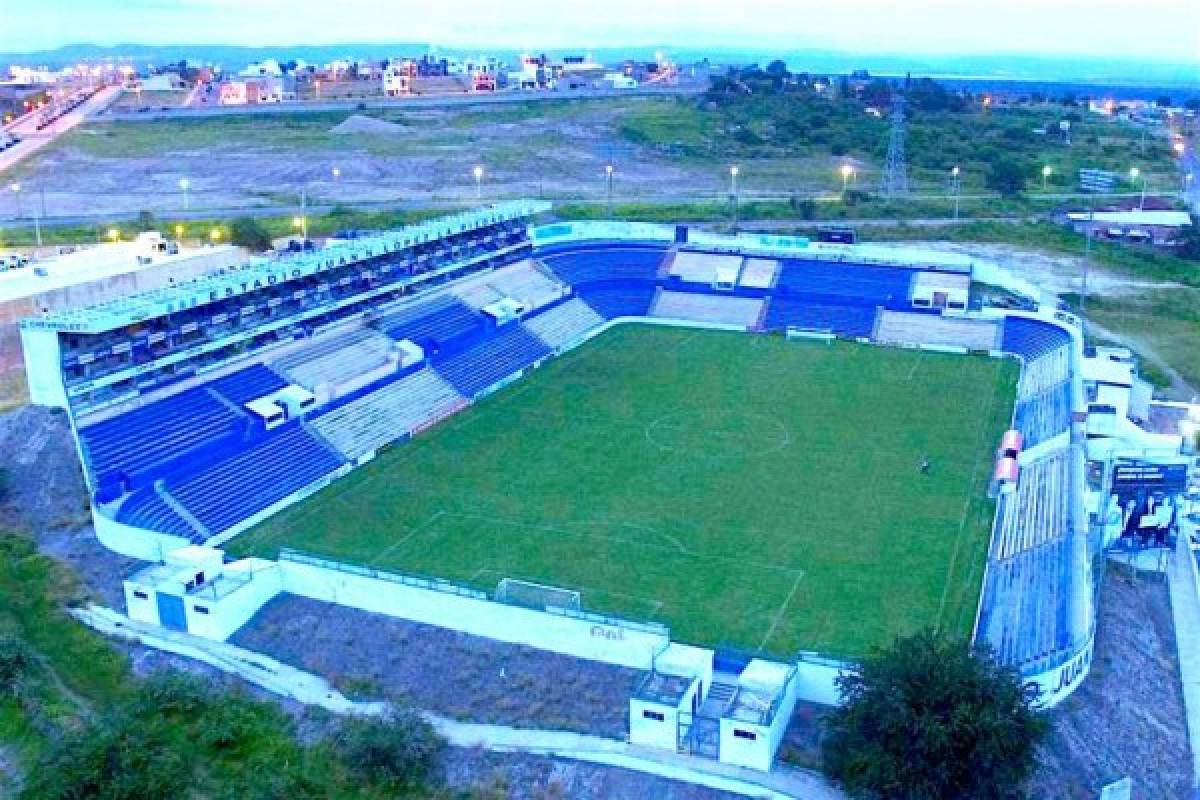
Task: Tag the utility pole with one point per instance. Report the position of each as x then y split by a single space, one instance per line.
895 173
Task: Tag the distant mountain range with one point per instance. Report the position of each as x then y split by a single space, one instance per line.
1107 71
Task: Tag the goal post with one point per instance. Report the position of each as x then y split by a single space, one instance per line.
539 596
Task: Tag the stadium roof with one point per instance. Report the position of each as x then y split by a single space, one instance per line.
261 272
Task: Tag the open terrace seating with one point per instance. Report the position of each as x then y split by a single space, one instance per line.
1038 512
824 279
230 491
510 351
1027 604
387 413
1044 416
434 324
247 384
1031 338
145 508
336 359
902 327
132 443
564 323
582 266
610 302
790 312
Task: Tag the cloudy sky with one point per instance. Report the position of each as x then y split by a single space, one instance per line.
1157 30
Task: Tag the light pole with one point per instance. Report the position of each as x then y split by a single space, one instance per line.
956 187
184 185
609 169
1185 181
336 172
300 223
733 194
1046 170
179 234
478 173
847 171
1134 174
16 190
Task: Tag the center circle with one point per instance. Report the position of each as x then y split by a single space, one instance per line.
718 434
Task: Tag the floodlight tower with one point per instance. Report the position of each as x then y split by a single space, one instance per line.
895 173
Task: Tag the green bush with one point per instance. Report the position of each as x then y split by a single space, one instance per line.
248 232
401 749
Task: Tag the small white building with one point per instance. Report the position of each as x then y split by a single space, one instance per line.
944 290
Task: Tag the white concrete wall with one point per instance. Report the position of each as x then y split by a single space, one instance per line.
141 609
1055 685
755 753
139 543
229 613
43 370
653 733
571 636
816 681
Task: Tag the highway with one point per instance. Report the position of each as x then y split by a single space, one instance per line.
33 139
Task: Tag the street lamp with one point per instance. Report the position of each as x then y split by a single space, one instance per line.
1046 170
1179 148
847 171
1134 174
956 186
609 169
215 235
114 234
184 185
733 194
337 173
478 173
179 233
16 190
300 222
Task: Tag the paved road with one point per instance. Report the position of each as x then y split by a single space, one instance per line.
380 104
33 139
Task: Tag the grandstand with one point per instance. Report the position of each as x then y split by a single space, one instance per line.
184 404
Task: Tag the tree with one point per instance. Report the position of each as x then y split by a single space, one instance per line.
145 221
401 749
1005 176
248 232
15 661
928 719
1189 247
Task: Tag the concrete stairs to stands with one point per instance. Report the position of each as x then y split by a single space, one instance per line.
720 694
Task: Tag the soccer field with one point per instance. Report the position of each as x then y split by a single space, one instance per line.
748 491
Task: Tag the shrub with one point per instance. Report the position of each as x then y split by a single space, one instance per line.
248 232
400 749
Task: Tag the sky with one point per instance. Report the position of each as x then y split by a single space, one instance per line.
1153 30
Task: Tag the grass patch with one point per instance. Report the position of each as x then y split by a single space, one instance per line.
744 489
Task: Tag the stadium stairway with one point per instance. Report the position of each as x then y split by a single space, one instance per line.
440 325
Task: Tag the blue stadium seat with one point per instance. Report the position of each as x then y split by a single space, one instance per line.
586 265
436 325
840 281
510 351
1032 338
146 509
245 385
229 491
620 300
129 446
844 320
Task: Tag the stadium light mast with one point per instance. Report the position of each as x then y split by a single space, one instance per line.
1134 174
609 169
733 194
956 187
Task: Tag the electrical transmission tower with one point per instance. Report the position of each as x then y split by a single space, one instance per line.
895 175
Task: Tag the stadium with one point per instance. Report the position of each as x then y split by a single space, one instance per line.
736 462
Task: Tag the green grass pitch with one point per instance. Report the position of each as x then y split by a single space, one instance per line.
748 491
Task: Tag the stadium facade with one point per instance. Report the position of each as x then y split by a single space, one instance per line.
203 408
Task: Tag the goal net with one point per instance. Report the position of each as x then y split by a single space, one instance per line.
537 595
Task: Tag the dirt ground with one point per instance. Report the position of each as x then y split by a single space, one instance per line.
1128 717
372 656
554 150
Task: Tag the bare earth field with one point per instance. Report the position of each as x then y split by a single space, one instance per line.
548 147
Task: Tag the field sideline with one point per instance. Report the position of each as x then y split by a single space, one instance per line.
748 491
